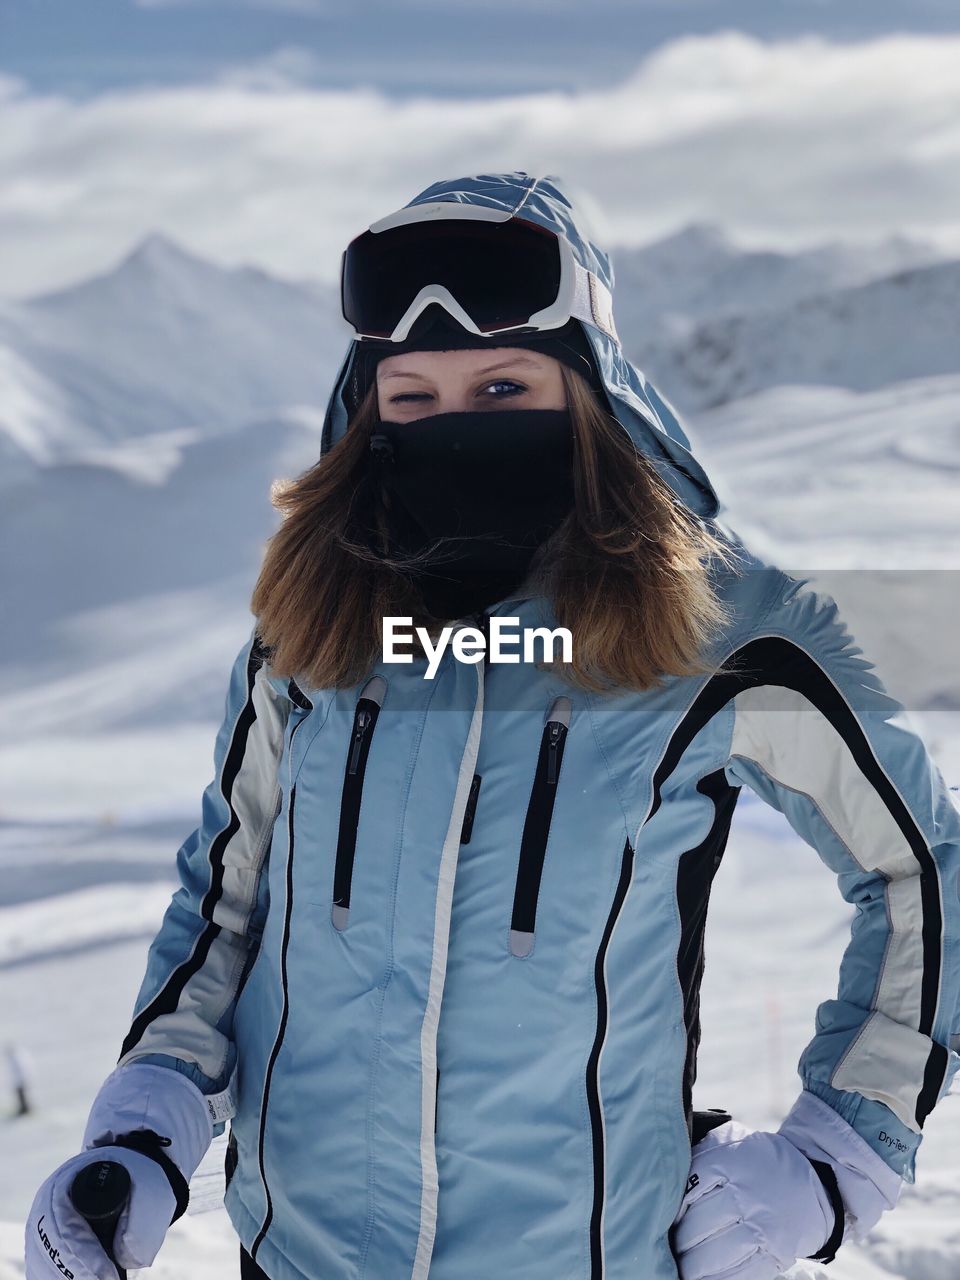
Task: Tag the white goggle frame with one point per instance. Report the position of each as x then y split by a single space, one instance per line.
581 294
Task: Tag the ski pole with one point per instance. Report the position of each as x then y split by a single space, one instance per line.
99 1193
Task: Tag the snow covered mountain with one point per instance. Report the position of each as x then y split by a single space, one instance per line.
864 337
698 274
165 340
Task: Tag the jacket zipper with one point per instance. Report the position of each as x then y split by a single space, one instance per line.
300 700
303 702
536 827
364 723
428 1033
482 620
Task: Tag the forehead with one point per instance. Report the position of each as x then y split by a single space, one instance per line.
454 363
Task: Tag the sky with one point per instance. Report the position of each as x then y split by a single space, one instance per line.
272 131
461 47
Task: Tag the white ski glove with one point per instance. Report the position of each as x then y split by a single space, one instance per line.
136 1097
755 1202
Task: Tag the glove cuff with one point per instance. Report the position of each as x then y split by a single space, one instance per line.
867 1184
152 1145
828 1178
160 1100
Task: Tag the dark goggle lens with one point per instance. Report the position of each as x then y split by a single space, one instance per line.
500 273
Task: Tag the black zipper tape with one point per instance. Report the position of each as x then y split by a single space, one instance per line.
536 827
358 751
468 814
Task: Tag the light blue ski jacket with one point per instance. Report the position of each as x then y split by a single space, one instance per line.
449 932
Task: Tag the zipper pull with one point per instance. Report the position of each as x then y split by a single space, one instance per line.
360 725
553 741
558 721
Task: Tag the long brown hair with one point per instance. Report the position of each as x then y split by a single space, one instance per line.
628 571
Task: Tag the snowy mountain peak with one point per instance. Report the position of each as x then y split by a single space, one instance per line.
159 252
903 325
164 340
161 263
694 241
156 268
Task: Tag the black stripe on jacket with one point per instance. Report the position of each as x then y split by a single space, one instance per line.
168 998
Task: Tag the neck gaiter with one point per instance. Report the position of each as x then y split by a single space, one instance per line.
493 485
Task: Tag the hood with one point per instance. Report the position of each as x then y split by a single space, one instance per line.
648 419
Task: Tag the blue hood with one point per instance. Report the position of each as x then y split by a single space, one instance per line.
650 421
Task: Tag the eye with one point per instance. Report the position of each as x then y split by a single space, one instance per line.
512 388
507 388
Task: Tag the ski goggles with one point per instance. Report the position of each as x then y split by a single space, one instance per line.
492 271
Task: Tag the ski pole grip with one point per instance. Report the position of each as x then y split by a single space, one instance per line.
99 1193
704 1121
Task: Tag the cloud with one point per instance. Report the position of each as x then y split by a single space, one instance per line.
784 143
285 68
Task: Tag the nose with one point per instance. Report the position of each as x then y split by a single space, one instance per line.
451 401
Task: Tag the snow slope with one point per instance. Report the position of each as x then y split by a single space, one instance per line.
170 513
902 326
130 546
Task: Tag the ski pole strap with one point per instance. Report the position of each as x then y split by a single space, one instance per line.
828 1251
151 1144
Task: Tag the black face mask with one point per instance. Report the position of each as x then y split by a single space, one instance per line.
494 483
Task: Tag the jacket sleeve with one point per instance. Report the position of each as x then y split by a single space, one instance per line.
183 1014
816 735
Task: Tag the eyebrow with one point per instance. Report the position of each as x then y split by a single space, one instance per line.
500 364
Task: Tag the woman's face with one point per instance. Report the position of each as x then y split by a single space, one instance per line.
418 384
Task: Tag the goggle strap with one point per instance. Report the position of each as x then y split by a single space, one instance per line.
593 302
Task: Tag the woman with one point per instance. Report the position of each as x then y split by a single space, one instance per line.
438 945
